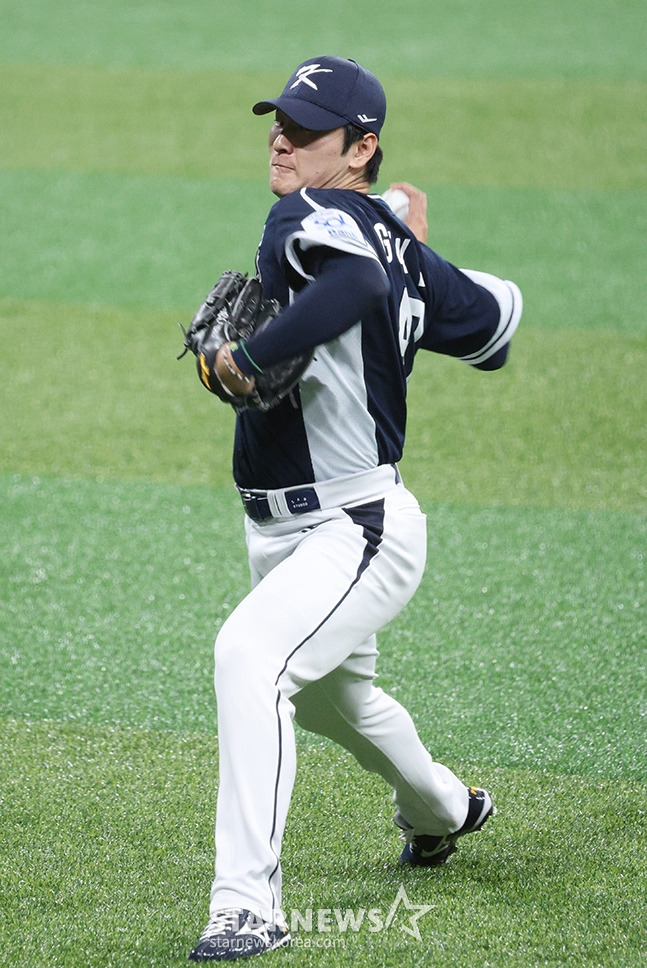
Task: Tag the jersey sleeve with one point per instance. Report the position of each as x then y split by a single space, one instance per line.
344 289
474 314
510 305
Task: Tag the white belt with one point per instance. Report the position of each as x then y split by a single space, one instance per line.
339 492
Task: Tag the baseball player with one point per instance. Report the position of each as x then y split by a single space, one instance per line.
336 542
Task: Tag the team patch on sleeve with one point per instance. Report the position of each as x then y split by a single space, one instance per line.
328 227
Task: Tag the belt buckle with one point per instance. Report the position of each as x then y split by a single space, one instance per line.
257 506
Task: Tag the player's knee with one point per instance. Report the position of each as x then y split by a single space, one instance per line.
239 663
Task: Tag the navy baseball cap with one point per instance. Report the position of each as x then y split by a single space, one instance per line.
329 92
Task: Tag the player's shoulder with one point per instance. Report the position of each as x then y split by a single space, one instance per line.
327 217
304 202
288 213
360 206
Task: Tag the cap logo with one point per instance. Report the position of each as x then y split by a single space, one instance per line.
365 119
305 73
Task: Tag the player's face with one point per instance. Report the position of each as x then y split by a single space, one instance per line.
300 158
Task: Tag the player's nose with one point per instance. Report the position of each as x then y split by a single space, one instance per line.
281 142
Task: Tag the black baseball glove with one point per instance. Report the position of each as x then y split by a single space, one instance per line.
234 309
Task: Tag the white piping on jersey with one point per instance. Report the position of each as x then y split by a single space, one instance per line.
306 198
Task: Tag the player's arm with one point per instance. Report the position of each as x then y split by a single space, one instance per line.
473 316
344 288
507 295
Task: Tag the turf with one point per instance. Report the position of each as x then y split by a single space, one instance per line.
495 131
114 592
131 174
118 857
454 37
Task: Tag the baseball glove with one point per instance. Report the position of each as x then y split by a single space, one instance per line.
234 309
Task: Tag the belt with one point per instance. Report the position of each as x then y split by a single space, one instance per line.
285 502
298 501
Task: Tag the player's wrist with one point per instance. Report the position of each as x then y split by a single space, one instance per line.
230 374
243 359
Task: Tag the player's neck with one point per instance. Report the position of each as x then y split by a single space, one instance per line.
350 181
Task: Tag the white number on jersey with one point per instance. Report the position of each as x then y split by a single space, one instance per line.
411 321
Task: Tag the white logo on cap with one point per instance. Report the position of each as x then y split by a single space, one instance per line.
304 74
365 119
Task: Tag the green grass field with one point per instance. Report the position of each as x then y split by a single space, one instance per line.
132 172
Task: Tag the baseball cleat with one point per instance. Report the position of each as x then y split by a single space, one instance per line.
238 933
427 850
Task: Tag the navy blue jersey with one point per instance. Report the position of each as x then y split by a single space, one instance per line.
348 413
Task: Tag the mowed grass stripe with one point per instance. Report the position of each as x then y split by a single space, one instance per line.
561 425
112 830
518 132
160 241
559 38
529 623
538 133
125 240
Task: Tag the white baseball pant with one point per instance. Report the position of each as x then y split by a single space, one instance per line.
302 643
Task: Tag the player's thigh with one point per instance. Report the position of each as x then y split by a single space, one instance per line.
342 583
295 598
327 705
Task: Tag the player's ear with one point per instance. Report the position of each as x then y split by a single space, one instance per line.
363 151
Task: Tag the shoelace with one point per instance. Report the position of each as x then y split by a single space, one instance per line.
223 921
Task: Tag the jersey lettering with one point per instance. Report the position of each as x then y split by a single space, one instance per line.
398 251
401 246
384 236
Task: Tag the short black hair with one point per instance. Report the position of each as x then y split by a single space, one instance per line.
352 134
